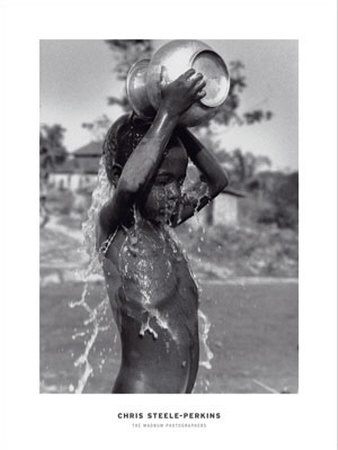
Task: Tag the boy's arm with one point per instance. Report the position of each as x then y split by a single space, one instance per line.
212 181
146 158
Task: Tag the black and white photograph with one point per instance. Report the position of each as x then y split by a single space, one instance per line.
177 231
169 216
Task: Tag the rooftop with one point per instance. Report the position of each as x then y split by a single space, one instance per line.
93 148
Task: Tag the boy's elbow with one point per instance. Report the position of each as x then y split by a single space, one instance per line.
222 182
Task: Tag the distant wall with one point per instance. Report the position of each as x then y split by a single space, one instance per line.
225 212
72 181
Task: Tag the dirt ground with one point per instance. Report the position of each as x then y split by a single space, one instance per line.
253 338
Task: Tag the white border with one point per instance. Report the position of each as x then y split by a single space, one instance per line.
306 420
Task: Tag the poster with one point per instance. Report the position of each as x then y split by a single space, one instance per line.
236 420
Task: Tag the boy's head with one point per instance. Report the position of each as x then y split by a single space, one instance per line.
161 201
121 140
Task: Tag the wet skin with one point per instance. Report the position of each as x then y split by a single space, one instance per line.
152 293
162 202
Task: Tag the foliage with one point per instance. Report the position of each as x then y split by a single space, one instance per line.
242 167
283 195
51 140
99 127
278 195
229 112
127 52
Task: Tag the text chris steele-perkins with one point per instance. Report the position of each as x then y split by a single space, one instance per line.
169 415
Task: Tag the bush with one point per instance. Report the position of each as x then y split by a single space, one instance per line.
276 197
264 250
281 214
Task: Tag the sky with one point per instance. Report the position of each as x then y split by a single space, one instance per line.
76 77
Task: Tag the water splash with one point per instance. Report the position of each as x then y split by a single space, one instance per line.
96 313
147 327
204 326
97 320
101 193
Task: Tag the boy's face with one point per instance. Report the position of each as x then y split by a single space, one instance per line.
163 199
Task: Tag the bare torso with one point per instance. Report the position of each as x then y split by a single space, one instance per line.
155 301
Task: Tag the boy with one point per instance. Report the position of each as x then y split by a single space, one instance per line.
152 293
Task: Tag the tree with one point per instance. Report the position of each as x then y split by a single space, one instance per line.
99 127
51 139
229 112
244 167
52 152
280 192
126 52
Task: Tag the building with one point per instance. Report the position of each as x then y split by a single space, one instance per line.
79 170
224 210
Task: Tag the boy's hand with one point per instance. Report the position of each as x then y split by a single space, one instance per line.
179 95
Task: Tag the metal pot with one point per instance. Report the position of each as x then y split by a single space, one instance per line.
143 81
136 90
